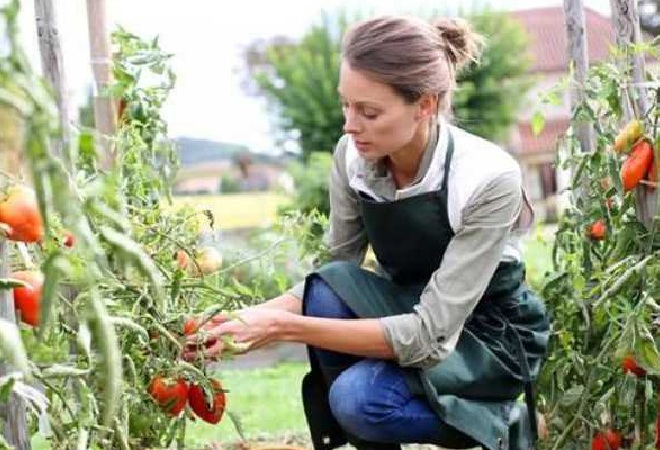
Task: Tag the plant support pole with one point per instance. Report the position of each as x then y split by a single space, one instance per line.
53 69
101 62
577 52
14 412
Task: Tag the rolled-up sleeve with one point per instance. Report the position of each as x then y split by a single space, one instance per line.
429 334
346 236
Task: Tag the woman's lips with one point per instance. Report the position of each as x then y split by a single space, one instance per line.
362 146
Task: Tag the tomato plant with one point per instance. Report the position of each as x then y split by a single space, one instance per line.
125 276
108 315
599 384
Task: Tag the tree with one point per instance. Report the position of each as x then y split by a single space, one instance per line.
299 80
491 93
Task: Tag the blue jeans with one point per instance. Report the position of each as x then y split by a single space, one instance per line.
370 398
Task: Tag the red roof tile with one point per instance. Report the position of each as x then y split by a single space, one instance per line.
547 31
546 141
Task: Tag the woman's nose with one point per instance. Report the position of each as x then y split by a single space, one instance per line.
351 124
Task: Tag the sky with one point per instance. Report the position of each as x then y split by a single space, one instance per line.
206 38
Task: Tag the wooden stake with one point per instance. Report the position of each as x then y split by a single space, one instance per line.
577 51
53 69
15 430
101 61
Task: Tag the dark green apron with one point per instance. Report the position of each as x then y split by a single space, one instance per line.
499 351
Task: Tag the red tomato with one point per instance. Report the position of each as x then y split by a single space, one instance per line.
597 230
636 165
169 394
608 440
208 413
27 299
628 364
20 211
69 240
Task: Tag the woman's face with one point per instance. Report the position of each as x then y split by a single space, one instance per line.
379 121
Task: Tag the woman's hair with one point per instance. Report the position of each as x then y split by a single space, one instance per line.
411 55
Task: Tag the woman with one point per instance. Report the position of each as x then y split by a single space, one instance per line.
438 346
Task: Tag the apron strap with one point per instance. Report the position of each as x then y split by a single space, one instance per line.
448 157
527 380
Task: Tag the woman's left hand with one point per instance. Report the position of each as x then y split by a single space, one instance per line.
254 327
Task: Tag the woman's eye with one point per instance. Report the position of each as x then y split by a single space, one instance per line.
369 114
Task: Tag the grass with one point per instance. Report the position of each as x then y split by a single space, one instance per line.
250 209
537 250
267 401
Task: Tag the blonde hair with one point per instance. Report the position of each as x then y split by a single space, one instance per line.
413 56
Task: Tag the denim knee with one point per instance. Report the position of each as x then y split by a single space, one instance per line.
321 301
355 401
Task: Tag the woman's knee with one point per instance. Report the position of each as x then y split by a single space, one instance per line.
364 399
322 301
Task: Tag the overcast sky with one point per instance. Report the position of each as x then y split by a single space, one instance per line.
206 37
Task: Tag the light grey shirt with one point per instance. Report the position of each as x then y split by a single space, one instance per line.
488 213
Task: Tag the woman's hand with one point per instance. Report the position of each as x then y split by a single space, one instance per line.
249 329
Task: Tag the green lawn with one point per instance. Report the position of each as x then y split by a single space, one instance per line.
537 249
266 400
250 209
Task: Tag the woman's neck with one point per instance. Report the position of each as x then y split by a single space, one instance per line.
404 163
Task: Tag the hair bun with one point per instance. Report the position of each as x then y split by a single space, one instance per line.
461 43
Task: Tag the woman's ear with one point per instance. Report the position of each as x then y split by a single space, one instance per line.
428 106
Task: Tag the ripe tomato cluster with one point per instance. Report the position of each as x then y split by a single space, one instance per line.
639 164
173 394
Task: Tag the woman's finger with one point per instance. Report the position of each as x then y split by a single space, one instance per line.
214 351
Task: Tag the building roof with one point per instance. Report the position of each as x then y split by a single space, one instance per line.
547 32
546 140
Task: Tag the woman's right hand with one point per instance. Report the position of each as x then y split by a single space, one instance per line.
203 341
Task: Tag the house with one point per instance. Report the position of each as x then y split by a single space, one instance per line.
536 154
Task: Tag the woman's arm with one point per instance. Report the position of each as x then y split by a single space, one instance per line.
361 337
261 326
285 302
